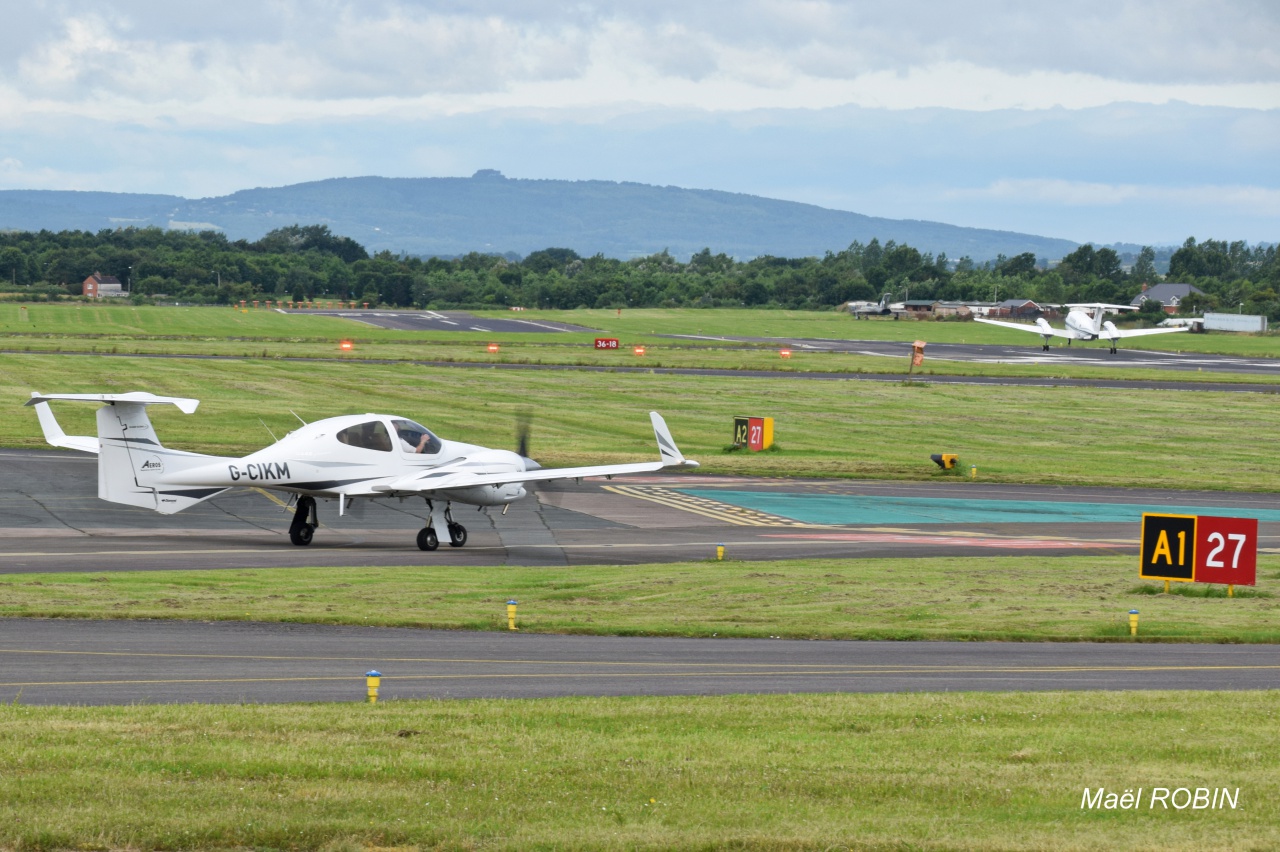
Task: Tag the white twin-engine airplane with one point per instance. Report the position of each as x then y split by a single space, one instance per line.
339 458
1082 325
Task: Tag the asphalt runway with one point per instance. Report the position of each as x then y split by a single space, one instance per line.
1083 353
140 662
443 321
51 520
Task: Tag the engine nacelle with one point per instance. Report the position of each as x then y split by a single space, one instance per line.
486 495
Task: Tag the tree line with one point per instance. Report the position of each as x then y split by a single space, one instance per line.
301 263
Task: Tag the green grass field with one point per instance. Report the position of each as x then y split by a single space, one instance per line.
823 428
822 772
1022 598
265 333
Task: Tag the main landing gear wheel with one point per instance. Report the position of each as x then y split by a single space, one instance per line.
304 522
427 539
457 535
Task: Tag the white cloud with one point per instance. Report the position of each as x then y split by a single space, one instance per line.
880 106
132 56
1235 199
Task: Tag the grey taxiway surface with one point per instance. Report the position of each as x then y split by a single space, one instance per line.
51 520
127 662
444 321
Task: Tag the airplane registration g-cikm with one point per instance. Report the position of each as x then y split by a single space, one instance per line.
1081 325
343 458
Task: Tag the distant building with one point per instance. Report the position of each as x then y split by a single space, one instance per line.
981 309
1168 295
953 309
99 286
1016 308
919 307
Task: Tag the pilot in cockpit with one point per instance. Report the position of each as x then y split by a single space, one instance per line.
406 442
415 438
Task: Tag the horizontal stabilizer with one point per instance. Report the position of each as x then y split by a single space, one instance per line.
187 406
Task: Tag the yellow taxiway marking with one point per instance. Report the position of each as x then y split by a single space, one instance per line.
856 671
696 667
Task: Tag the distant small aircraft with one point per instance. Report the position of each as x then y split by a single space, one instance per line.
871 309
343 458
1084 322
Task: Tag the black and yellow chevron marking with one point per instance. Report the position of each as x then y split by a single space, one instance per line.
726 512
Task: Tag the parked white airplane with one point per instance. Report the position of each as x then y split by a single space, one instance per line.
1083 325
883 308
340 458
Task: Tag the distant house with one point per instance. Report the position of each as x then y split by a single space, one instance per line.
99 286
1168 295
953 309
981 309
919 307
1016 308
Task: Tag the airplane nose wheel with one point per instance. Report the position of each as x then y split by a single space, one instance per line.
427 539
457 532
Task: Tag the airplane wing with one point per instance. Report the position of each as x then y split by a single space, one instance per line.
1139 332
429 481
1036 329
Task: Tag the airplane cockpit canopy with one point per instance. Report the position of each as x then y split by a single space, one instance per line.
370 435
416 438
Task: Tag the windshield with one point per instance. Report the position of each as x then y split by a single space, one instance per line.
416 438
367 436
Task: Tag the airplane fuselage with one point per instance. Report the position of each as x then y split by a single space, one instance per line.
314 461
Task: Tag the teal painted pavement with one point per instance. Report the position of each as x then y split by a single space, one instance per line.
852 509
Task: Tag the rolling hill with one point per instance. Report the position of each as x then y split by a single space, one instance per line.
491 213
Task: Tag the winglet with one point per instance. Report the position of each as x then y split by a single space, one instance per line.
671 455
54 435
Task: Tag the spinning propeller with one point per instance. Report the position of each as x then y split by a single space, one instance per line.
524 420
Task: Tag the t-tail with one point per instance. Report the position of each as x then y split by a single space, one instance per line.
131 460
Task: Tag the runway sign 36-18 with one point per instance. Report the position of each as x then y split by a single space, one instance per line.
1199 549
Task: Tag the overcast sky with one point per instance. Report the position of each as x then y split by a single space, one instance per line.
1108 121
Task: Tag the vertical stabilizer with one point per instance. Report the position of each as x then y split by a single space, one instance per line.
128 452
